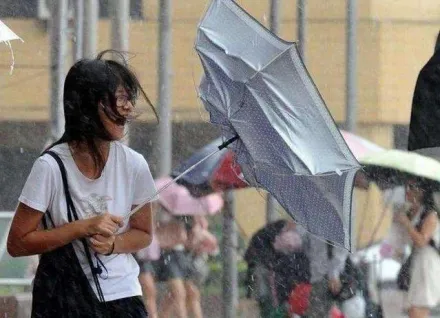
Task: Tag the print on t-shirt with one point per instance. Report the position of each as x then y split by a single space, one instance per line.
95 204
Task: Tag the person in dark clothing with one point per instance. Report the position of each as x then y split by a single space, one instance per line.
424 131
276 264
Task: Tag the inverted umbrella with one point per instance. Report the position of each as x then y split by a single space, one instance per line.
177 200
219 172
256 88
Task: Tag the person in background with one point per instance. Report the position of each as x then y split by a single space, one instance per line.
326 265
201 243
278 269
182 268
424 288
146 259
173 265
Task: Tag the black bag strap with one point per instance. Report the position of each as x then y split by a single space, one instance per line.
50 219
73 215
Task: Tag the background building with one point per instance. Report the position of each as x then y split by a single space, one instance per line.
395 39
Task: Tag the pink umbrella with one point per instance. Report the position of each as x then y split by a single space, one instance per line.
178 201
359 146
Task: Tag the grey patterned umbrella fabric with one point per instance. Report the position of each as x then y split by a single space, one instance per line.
256 86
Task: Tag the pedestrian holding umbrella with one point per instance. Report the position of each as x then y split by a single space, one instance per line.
421 177
180 209
393 168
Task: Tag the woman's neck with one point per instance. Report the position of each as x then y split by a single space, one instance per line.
86 160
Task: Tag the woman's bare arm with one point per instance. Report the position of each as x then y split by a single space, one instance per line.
421 238
25 238
140 233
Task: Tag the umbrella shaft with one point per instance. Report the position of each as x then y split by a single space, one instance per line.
223 145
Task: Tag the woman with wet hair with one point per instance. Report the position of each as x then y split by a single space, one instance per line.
422 224
74 206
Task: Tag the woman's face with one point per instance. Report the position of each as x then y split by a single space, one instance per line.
124 107
413 192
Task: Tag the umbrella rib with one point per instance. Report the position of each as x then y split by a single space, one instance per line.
285 143
219 148
324 111
208 54
270 62
251 22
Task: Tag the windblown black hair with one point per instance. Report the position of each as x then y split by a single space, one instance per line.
429 187
90 84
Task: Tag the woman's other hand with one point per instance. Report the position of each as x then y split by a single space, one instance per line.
102 244
402 218
334 285
105 225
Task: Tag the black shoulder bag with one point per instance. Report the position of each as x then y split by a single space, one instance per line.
61 289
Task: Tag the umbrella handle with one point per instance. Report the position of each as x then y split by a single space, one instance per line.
140 206
228 142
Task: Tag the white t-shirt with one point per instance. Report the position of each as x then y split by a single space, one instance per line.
125 181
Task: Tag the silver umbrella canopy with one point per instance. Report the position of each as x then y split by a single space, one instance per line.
256 87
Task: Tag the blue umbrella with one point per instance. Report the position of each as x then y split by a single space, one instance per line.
216 173
256 88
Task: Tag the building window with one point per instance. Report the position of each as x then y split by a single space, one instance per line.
18 8
29 8
136 11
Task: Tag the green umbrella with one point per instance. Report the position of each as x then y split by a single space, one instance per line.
395 166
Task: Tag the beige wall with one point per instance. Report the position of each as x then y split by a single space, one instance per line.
395 38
